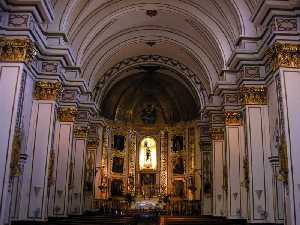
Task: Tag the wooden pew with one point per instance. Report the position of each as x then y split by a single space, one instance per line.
190 220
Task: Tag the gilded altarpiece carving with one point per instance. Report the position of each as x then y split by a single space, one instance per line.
118 165
132 162
178 158
133 174
164 163
105 174
192 160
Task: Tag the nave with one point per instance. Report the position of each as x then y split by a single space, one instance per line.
183 111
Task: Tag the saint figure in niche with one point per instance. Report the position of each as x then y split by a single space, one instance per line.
148 152
147 156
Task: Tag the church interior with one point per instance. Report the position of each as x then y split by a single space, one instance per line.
150 112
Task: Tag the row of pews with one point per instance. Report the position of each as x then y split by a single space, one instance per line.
88 219
96 219
198 220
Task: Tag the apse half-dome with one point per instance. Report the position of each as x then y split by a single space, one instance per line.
149 98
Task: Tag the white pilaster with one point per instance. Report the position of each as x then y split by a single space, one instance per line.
219 196
34 193
197 164
234 164
58 199
260 199
24 123
290 108
98 192
78 157
10 85
90 169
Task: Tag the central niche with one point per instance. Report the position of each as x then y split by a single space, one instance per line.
148 154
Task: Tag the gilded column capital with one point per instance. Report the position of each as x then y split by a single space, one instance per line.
92 143
45 90
233 118
284 55
253 95
81 131
16 50
67 114
217 133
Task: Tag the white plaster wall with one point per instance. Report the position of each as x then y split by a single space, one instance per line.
290 80
10 83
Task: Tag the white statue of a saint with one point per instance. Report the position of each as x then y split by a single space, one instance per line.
148 152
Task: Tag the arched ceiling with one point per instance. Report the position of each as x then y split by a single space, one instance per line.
200 34
172 100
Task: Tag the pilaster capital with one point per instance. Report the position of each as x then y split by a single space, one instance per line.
284 55
92 143
45 90
233 118
253 95
81 132
217 133
67 114
16 50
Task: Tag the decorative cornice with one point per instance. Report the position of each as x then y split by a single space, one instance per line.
92 143
81 132
67 114
284 55
47 90
253 95
16 50
217 133
233 118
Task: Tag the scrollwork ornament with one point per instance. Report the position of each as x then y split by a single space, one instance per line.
254 95
225 178
15 169
47 90
71 171
246 173
16 50
283 160
51 168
